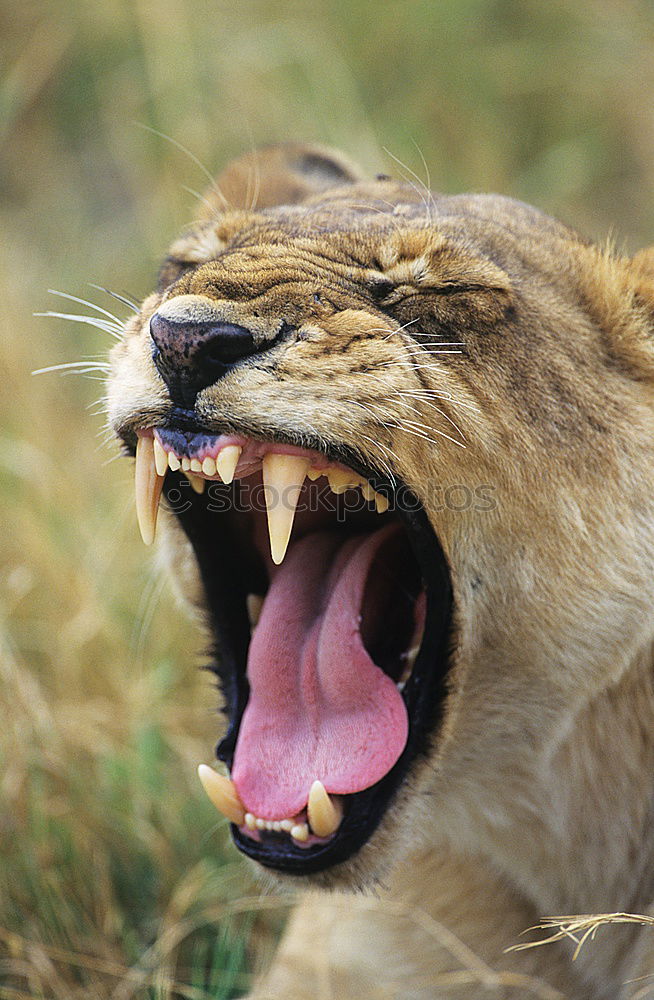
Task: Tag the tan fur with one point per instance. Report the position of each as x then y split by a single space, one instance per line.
538 796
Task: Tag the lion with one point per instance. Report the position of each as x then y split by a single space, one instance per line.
398 446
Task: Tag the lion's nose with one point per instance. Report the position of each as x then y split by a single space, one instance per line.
191 355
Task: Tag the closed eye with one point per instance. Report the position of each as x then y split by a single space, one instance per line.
172 270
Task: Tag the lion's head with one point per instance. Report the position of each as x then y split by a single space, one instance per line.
405 442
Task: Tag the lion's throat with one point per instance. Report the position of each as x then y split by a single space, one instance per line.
319 708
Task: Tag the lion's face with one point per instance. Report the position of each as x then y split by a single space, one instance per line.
416 433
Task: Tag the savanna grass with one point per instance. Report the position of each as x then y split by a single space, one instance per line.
116 878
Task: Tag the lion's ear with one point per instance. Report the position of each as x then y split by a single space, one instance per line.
285 174
637 337
619 295
643 265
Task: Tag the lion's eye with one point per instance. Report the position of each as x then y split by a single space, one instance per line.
381 289
171 270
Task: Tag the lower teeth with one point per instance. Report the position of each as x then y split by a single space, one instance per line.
298 831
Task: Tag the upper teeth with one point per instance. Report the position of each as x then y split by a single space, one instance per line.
160 458
283 478
148 485
226 462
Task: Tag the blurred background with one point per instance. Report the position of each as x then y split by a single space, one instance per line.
116 877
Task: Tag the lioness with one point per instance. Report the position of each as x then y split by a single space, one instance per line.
405 445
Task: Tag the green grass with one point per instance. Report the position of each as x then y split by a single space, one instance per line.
116 877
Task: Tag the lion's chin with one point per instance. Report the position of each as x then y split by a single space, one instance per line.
331 605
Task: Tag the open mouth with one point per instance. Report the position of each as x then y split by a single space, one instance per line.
331 604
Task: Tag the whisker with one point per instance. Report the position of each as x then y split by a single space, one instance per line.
425 195
396 361
198 196
424 163
89 320
416 368
426 437
419 345
427 396
400 328
251 199
394 220
442 413
407 425
191 156
383 448
80 367
85 302
112 458
125 299
97 408
150 597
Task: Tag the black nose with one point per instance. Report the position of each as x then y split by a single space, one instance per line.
192 355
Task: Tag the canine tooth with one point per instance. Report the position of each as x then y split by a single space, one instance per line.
381 503
300 832
222 794
173 461
367 490
283 477
196 465
147 487
186 463
254 604
287 825
160 459
227 460
325 814
195 481
209 466
250 821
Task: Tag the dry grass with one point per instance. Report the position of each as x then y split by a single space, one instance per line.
579 929
116 879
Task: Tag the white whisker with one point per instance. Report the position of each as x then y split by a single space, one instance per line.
426 397
426 437
400 328
209 176
417 346
126 299
414 367
425 194
417 368
198 196
445 416
85 302
112 458
88 320
76 367
388 216
409 426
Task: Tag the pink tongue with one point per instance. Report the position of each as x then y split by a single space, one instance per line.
319 707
